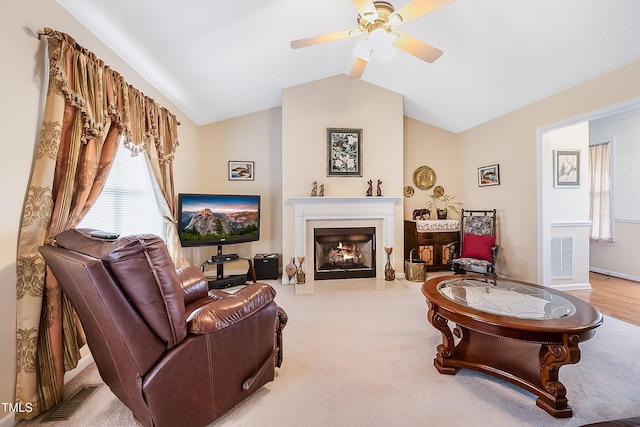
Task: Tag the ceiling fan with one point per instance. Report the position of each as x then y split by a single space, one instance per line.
378 19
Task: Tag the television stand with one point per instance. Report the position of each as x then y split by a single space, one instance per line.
222 282
228 282
224 257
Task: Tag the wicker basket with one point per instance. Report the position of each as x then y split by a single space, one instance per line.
414 269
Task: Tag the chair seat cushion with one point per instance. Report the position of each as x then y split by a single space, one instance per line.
476 246
471 262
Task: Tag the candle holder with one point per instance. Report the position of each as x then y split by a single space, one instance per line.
301 277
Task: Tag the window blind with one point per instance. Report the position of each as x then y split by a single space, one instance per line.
127 204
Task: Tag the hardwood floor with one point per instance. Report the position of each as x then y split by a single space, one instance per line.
614 297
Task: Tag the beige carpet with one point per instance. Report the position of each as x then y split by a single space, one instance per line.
365 358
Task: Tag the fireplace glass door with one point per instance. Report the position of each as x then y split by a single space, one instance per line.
342 253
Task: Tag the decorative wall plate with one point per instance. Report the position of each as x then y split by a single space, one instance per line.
408 191
438 191
424 177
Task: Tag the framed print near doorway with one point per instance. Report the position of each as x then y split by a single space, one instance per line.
489 175
566 168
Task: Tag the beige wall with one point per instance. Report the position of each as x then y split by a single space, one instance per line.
21 79
426 145
254 137
513 141
340 102
619 258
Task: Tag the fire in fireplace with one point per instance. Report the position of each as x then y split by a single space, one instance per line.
342 253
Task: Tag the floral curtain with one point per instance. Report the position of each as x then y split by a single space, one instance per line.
88 107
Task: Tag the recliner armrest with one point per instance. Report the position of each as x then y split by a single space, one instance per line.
194 284
228 310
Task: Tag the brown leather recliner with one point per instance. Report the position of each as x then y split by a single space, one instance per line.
172 352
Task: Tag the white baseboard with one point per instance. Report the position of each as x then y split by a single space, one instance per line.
572 287
82 364
615 274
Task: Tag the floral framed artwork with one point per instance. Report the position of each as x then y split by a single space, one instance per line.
344 152
489 175
241 171
566 168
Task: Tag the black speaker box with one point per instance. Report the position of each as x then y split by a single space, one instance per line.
266 266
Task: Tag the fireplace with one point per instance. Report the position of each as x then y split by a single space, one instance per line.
311 213
344 253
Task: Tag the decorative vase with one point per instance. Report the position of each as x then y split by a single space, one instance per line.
389 272
290 270
442 213
301 277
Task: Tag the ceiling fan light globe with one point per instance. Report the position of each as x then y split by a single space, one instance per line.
364 51
380 39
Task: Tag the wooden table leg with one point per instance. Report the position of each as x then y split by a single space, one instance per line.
552 358
445 350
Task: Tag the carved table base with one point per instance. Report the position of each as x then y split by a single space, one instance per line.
530 357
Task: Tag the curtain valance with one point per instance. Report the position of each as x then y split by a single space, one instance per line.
81 76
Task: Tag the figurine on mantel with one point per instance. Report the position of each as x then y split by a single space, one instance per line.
379 189
314 189
321 191
370 189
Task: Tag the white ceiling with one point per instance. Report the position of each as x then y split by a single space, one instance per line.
221 59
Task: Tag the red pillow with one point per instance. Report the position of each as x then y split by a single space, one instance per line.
475 246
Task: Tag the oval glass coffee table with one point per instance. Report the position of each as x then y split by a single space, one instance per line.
517 331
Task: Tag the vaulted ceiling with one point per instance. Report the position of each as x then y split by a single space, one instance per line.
221 59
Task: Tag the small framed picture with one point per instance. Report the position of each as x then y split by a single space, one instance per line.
489 175
241 171
566 168
344 152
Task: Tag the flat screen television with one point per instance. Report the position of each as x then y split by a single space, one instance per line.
218 219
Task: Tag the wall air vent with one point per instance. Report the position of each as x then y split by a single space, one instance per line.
562 257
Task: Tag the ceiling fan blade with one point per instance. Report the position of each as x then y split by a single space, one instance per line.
416 47
366 9
310 41
358 68
416 9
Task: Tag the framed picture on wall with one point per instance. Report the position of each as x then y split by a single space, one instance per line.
344 152
241 171
566 168
489 175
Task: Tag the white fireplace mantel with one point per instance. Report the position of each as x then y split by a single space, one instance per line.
342 208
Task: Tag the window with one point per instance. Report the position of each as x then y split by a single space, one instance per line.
127 204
